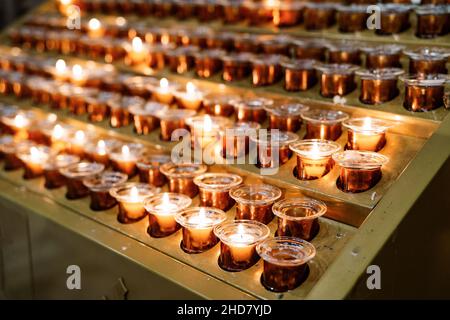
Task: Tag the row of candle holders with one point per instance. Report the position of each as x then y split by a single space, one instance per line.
432 20
360 164
424 91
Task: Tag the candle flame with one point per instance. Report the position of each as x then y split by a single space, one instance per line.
35 154
60 66
240 230
134 194
164 83
79 136
201 214
367 125
315 150
94 24
165 39
52 117
20 121
58 132
125 151
121 21
136 43
77 71
190 88
101 147
165 199
65 2
207 123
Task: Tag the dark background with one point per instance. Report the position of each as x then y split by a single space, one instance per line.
12 9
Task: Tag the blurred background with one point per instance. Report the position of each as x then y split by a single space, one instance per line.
11 9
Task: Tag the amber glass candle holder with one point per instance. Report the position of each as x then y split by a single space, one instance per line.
299 217
286 117
77 142
360 170
191 97
149 168
367 134
205 129
233 11
18 123
236 139
276 45
130 198
314 158
11 151
324 124
139 86
162 209
287 14
336 79
424 93
319 16
254 202
125 159
247 43
6 141
208 62
100 150
144 116
181 177
34 160
78 99
383 56
237 66
251 109
99 187
266 70
75 174
378 85
157 55
285 262
97 106
53 177
394 18
432 21
352 18
257 13
299 75
238 240
120 110
427 60
214 189
219 104
171 120
164 93
344 52
181 59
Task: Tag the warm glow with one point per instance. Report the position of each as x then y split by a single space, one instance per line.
125 151
94 24
165 199
136 43
60 66
58 132
367 125
52 117
165 39
20 121
201 215
315 151
190 88
101 147
79 136
164 83
34 154
134 194
77 71
65 2
207 123
121 21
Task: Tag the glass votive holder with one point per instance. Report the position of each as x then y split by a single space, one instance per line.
33 160
219 104
299 74
285 262
314 158
171 120
238 240
124 159
198 228
236 139
130 198
144 116
11 150
75 174
181 59
368 134
352 18
427 60
97 106
99 187
191 97
324 124
205 129
209 10
310 49
237 66
157 55
162 209
257 13
276 45
247 43
319 16
221 40
149 168
138 86
344 52
254 202
6 141
99 151
360 170
78 99
394 18
299 217
120 110
336 79
266 70
208 62
233 11
137 52
53 177
18 123
432 21
383 56
77 141
181 177
287 14
214 189
164 93
251 109
286 117
378 85
424 92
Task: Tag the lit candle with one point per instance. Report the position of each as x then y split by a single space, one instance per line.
205 129
191 98
95 28
60 70
34 160
20 125
164 93
198 224
130 197
99 151
238 243
57 138
181 177
77 143
314 158
162 209
125 160
138 52
366 133
78 75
